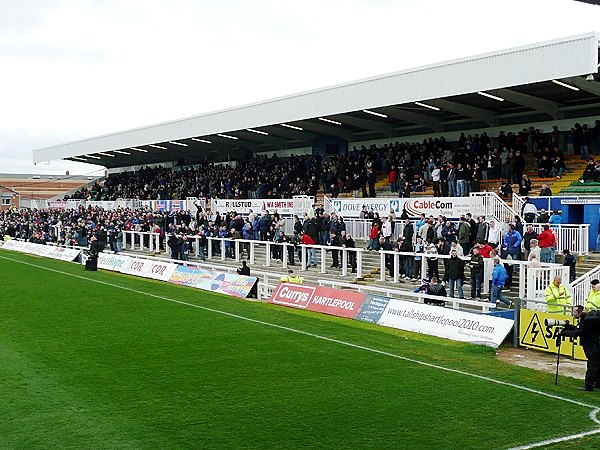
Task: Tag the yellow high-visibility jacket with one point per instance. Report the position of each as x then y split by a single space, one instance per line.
556 296
291 279
593 300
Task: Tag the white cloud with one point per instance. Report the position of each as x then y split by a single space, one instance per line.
76 69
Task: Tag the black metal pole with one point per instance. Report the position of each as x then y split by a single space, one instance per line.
557 359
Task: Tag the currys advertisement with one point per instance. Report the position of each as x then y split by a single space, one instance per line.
337 302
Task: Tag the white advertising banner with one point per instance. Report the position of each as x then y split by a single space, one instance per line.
46 251
62 253
446 323
110 261
17 246
146 268
150 269
112 205
580 201
282 206
68 204
447 206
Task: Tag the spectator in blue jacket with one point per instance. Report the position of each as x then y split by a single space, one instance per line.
511 249
499 277
512 243
555 218
264 224
449 232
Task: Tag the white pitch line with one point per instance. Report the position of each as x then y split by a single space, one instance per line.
593 413
572 437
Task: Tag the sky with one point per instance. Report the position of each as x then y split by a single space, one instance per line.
74 69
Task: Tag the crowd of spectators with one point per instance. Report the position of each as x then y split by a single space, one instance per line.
256 177
452 169
466 242
591 172
77 226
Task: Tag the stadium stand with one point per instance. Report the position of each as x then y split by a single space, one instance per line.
472 164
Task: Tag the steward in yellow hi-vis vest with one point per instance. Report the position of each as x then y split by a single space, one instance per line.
592 302
557 295
291 278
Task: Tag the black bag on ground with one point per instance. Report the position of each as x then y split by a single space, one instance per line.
91 263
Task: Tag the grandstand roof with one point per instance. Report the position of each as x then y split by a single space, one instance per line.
540 82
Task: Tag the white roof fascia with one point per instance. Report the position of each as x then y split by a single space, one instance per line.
558 58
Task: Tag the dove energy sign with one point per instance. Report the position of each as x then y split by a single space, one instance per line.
534 334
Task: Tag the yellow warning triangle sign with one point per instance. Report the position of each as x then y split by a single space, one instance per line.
534 334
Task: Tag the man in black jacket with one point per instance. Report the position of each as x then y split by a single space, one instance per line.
483 229
571 262
588 330
477 266
409 230
472 228
349 243
530 234
543 217
244 270
456 273
435 289
335 242
92 260
406 261
386 245
175 242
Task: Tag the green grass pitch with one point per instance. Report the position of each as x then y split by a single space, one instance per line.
102 360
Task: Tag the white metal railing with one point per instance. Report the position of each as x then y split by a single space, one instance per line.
358 228
547 200
250 246
395 255
538 279
494 206
327 206
517 204
581 286
384 254
217 248
142 240
574 238
527 288
457 303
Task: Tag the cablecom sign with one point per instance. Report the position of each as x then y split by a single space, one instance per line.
428 206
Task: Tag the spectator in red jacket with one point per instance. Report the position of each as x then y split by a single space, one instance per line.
393 179
547 244
312 253
485 249
373 238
